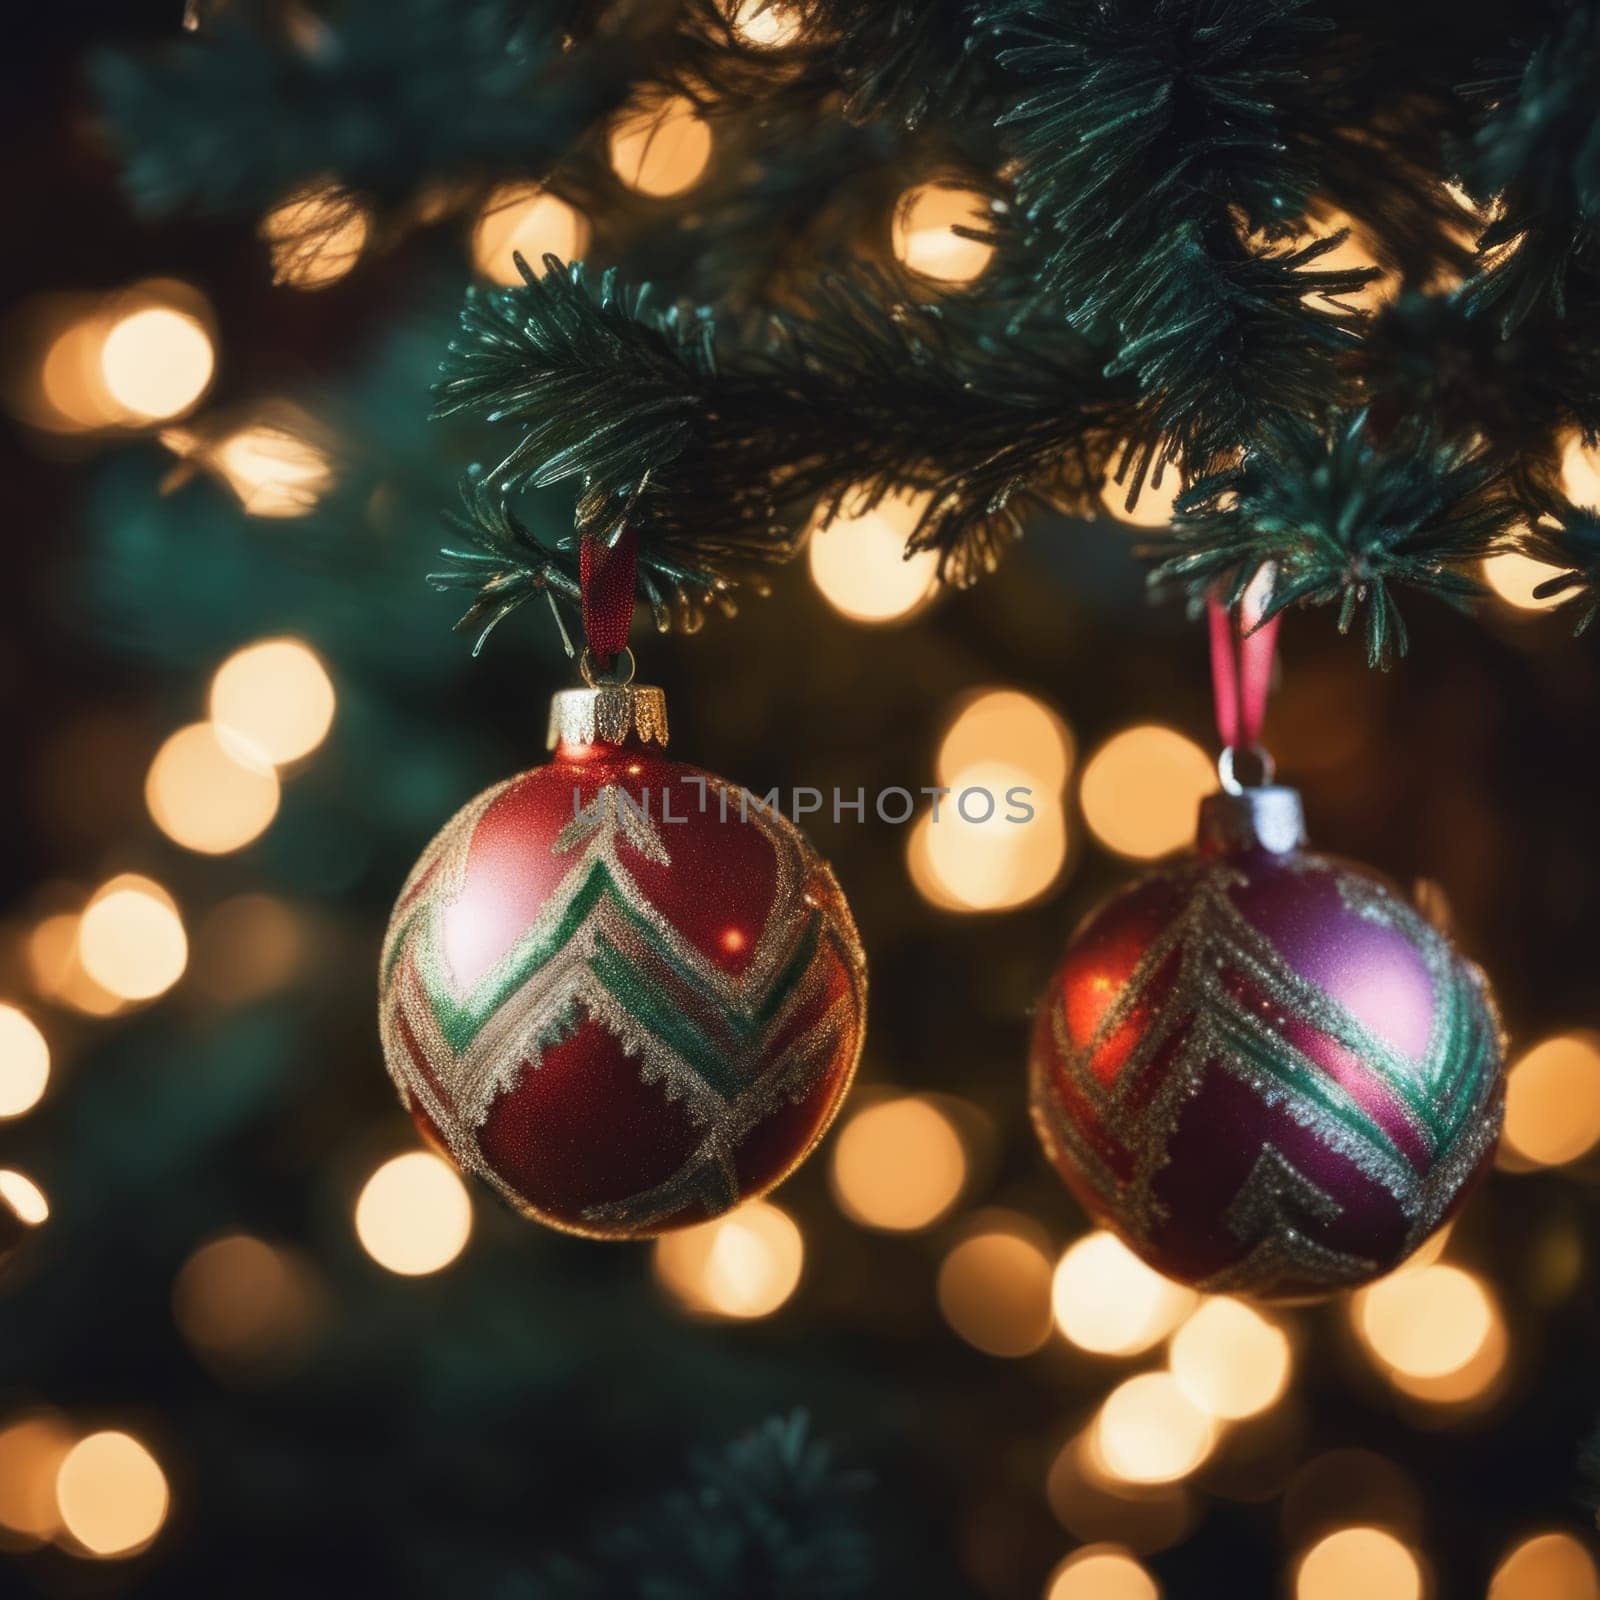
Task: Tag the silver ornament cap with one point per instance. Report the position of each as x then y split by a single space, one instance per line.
1269 817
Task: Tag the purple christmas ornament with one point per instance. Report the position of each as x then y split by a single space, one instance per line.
1261 1068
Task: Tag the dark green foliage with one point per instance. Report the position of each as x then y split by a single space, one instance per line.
1341 519
770 1516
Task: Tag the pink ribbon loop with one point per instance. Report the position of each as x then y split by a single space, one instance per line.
1242 648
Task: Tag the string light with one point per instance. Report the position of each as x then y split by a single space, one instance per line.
131 939
1553 1101
1106 1300
274 698
1141 790
1548 1566
994 1289
1101 1572
523 219
157 361
24 1062
32 1448
24 1196
859 564
925 238
1150 1431
414 1215
1230 1360
273 470
1008 725
1424 1323
316 236
1358 1561
661 149
111 1494
207 795
898 1165
740 1266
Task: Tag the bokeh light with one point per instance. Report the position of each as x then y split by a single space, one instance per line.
1580 471
661 149
1010 726
111 1494
1152 507
859 564
994 863
207 795
71 384
742 1265
898 1165
1101 1572
1553 1101
275 698
55 965
273 470
131 939
1106 1300
766 24
1230 1360
1424 1323
524 219
414 1215
157 361
994 1289
316 236
1364 1562
924 235
24 1197
32 1448
1142 789
1548 1566
242 1300
1150 1431
246 946
1514 576
24 1062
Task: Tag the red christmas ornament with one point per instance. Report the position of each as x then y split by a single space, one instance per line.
618 988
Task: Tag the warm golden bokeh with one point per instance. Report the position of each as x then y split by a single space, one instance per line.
157 362
1547 1566
131 939
1358 1564
1152 506
1553 1101
209 796
766 24
274 471
1009 726
740 1266
1101 1572
924 236
24 1197
414 1215
24 1062
111 1494
1108 1301
1580 472
32 1448
994 1290
274 698
1230 1360
242 1300
1142 789
1426 1322
1514 576
859 564
247 946
661 149
523 219
1150 1431
316 236
55 966
898 1165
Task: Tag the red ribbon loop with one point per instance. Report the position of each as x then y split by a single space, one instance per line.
606 583
1242 648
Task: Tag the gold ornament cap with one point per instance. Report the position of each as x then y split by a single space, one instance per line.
610 709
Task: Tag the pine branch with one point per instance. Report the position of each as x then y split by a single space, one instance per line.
1343 520
771 1515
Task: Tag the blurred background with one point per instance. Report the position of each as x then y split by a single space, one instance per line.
251 1336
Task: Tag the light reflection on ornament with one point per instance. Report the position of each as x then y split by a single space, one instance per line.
739 1266
1106 1300
1364 1562
661 149
924 236
898 1165
111 1494
1141 791
523 219
858 561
